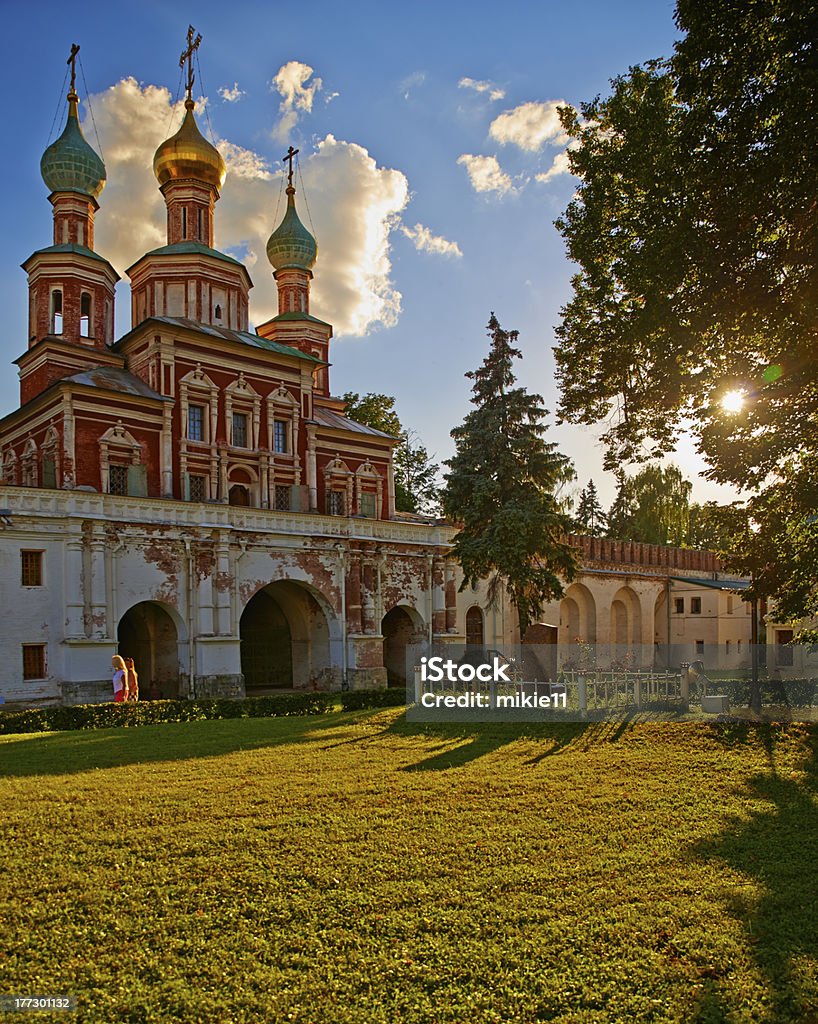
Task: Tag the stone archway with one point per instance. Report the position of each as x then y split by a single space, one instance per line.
401 628
626 626
285 632
148 633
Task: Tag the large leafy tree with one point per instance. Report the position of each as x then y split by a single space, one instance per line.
652 506
502 488
695 231
416 475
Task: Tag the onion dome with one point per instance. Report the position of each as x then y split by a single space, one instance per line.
291 245
70 164
188 154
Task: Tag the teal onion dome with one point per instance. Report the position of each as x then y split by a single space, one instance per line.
291 245
70 164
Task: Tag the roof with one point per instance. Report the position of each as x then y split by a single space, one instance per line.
328 418
109 378
298 316
228 334
70 249
697 581
191 248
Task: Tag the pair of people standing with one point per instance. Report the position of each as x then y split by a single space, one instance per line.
126 681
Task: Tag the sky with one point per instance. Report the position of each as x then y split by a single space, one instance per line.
431 169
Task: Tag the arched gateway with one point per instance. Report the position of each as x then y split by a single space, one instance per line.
152 634
287 631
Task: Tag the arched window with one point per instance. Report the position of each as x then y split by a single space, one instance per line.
474 626
217 312
184 222
85 315
56 311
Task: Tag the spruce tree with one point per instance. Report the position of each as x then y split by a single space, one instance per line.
590 518
501 488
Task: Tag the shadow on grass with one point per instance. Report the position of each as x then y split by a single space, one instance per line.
70 752
777 847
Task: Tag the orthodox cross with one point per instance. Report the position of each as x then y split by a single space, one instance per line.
187 55
72 60
291 153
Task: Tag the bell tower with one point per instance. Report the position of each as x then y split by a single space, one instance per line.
71 287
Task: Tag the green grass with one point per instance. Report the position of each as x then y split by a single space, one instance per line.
357 869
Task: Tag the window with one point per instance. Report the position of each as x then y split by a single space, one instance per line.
279 435
335 503
700 647
217 312
474 627
695 606
727 648
56 312
33 661
729 604
201 236
239 430
31 566
85 315
117 479
195 423
197 488
282 498
368 504
184 222
680 606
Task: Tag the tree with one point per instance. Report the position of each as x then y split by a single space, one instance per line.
416 475
695 232
652 506
590 517
502 488
721 528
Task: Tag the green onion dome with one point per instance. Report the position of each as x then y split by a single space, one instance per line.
291 245
70 164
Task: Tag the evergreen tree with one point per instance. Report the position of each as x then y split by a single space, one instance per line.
501 488
416 475
590 518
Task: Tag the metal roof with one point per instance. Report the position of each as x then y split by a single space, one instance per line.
228 334
110 378
328 418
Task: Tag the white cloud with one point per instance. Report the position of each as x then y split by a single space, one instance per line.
530 126
355 204
296 95
425 241
485 173
415 79
559 165
494 91
231 95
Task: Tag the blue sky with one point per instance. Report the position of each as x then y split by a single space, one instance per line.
394 144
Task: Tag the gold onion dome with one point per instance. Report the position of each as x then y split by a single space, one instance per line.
291 245
70 164
188 154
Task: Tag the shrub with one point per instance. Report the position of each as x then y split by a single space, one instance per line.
108 716
354 700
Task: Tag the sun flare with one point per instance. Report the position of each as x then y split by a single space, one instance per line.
733 401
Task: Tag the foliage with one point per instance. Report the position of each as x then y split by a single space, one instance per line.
651 506
416 485
590 517
696 240
715 527
153 712
502 487
390 697
358 868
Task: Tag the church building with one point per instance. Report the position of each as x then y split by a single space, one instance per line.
191 494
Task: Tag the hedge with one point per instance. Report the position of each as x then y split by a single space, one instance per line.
793 693
107 716
354 700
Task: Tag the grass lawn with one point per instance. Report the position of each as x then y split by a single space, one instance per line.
357 869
